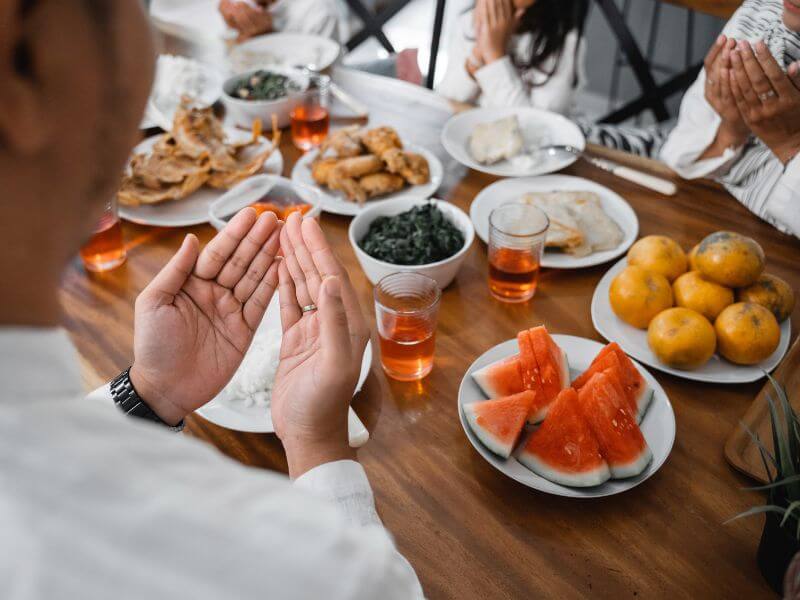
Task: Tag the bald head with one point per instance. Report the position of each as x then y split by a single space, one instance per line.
75 79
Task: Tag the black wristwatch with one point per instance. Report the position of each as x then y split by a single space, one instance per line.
125 396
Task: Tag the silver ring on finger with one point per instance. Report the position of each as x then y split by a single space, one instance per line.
767 95
309 308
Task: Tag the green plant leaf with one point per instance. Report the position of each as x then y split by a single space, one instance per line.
757 510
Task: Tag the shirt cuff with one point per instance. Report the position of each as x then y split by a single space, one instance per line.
784 202
499 81
101 394
345 484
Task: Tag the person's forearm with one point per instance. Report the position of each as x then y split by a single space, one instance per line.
303 455
724 139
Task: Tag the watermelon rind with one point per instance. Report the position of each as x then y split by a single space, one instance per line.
481 377
538 416
486 438
565 379
590 478
633 468
643 400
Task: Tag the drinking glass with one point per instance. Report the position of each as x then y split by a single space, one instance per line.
516 241
406 309
310 118
105 250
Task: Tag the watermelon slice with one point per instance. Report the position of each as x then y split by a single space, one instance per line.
500 379
564 449
621 441
498 423
551 368
638 393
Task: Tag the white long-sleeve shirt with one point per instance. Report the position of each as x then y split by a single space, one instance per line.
500 83
327 18
752 173
97 505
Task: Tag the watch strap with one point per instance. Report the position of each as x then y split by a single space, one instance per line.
129 401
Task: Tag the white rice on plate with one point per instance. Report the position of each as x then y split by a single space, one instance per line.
251 385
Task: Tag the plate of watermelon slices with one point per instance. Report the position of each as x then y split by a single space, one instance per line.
566 415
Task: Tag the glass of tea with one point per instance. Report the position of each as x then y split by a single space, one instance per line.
406 309
516 242
105 250
310 118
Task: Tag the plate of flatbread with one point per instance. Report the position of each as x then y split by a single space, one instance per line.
589 223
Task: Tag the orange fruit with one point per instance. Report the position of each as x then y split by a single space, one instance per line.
693 258
747 333
659 254
694 291
730 259
681 338
636 296
770 292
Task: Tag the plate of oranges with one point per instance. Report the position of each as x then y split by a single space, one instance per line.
713 314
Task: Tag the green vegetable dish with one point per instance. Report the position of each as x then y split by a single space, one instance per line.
419 236
263 85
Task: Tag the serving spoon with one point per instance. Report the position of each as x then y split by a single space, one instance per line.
652 182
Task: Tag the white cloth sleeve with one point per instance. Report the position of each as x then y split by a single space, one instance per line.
502 85
457 83
783 204
696 130
101 394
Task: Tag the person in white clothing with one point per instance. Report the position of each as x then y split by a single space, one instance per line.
740 121
249 18
97 503
517 53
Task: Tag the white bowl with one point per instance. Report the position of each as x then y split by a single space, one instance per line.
443 271
253 189
242 113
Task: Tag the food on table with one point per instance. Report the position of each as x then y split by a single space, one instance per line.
747 333
263 85
692 256
659 254
637 295
419 236
682 338
194 153
495 141
602 403
695 291
564 449
541 367
771 292
251 385
282 207
367 163
498 423
578 223
612 358
730 259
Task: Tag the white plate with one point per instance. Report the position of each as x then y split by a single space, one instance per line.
539 128
634 342
284 49
658 425
256 419
336 203
192 210
509 190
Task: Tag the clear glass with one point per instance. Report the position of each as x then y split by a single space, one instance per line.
406 309
310 116
105 250
516 241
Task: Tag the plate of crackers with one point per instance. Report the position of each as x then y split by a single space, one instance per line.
356 165
173 178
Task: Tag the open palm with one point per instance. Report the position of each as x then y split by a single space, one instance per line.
322 349
196 319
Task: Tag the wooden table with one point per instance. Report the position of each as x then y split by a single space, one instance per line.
469 531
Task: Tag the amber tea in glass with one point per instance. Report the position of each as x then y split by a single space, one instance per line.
310 118
105 250
516 241
406 309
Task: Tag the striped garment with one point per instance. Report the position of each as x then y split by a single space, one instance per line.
752 173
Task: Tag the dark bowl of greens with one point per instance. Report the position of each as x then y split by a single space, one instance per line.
263 92
409 233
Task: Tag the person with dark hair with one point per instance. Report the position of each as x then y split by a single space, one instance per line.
517 53
101 497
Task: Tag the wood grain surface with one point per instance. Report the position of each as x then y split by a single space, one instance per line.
740 449
718 8
469 531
